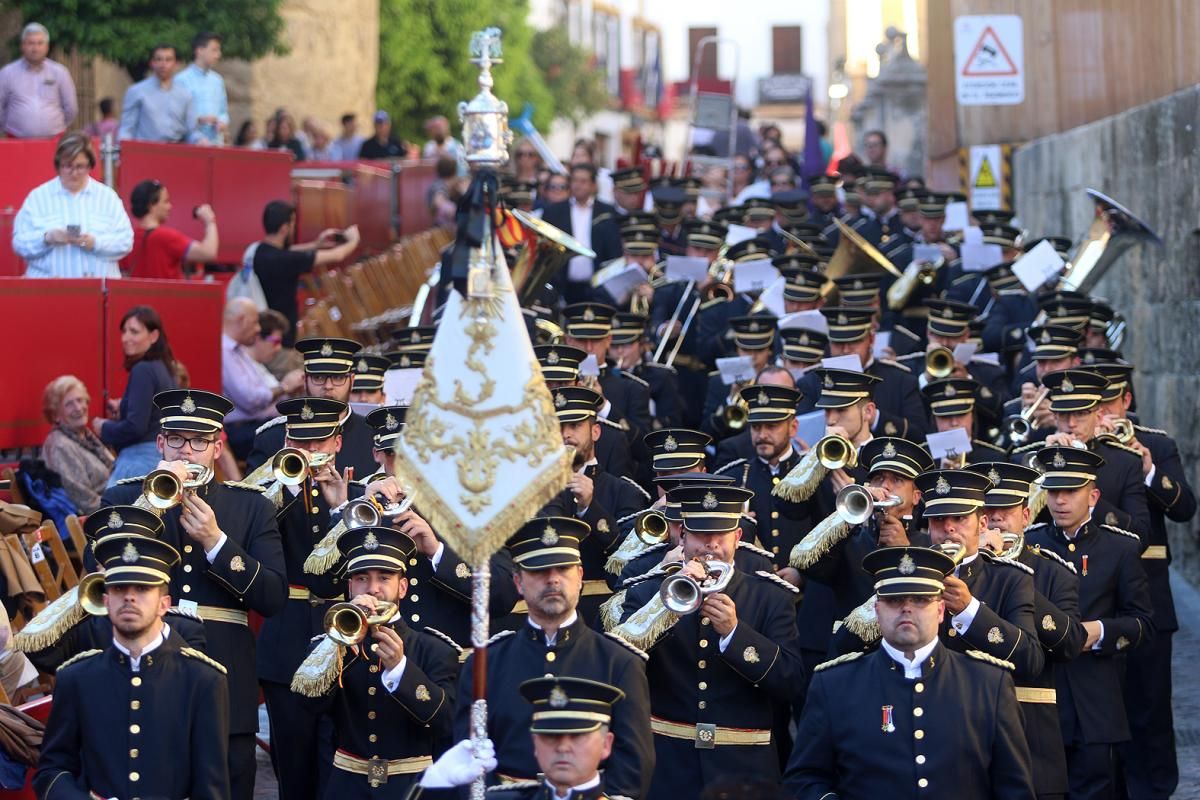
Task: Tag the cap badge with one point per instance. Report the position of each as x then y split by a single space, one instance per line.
405 362
188 405
390 422
889 450
558 698
1067 386
709 502
1061 311
753 327
858 284
842 319
560 400
907 565
1059 462
803 340
370 542
589 315
362 365
762 398
327 349
552 357
306 412
115 520
1046 338
1089 358
549 536
993 476
414 337
950 390
828 381
942 487
130 554
670 445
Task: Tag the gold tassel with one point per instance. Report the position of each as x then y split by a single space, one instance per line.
802 481
325 553
863 622
610 610
1037 500
631 548
648 624
320 670
819 541
50 624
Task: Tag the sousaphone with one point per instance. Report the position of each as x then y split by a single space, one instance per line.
545 251
1113 231
856 256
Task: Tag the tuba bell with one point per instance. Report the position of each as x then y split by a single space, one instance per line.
91 594
836 452
1113 231
854 255
651 527
939 362
544 252
683 595
348 624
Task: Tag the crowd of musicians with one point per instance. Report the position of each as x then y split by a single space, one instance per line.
713 607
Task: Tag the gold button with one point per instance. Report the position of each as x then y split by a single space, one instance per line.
918 711
550 656
920 759
133 753
133 776
774 515
316 492
1071 547
135 728
775 549
187 588
702 705
371 691
412 562
705 621
704 642
412 582
952 632
775 481
920 687
918 733
187 567
187 548
416 617
416 598
923 783
370 715
136 681
372 738
374 669
703 686
135 704
702 664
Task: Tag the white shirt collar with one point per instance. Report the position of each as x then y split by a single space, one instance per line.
135 662
787 454
966 560
551 638
576 204
912 669
583 787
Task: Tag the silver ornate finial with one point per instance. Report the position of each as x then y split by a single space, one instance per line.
485 119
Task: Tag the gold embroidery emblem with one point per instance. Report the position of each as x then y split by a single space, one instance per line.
558 698
889 450
130 554
237 564
995 636
115 520
1122 643
750 655
705 735
762 398
602 526
560 400
462 571
1067 386
327 349
985 392
390 422
422 693
803 340
306 412
589 315
1059 462
993 476
858 284
1090 358
1046 338
942 487
370 542
1048 623
549 536
709 502
842 319
552 357
670 445
1166 483
188 405
907 565
950 390
1061 311
415 337
405 361
828 381
1110 518
363 366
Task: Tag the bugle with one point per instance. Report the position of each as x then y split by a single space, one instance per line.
651 527
1020 426
91 594
291 466
348 624
953 549
682 595
735 414
836 452
939 362
855 504
162 489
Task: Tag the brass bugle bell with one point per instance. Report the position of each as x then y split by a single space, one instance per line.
1021 425
348 624
836 452
939 362
855 504
735 414
1123 430
291 466
683 595
162 489
362 513
91 594
953 549
651 527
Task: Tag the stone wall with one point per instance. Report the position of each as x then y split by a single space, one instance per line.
1147 159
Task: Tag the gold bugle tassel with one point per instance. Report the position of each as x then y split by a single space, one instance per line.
819 541
320 670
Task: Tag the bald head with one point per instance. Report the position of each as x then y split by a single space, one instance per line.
241 321
775 376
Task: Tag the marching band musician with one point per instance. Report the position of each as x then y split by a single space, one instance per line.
741 444
669 204
367 384
754 338
588 327
147 715
716 673
629 355
392 699
554 641
825 206
231 557
953 404
1056 347
639 245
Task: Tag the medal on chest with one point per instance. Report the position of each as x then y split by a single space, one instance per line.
887 725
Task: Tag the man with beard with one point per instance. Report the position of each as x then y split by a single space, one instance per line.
555 641
147 715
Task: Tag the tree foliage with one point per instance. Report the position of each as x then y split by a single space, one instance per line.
424 67
124 31
577 87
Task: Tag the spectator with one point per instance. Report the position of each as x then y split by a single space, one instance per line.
107 124
743 174
278 263
782 179
440 143
157 109
285 136
244 380
554 189
774 157
875 148
382 144
440 196
269 350
71 448
37 95
208 89
346 146
16 671
160 251
247 136
49 231
590 221
526 162
321 145
152 369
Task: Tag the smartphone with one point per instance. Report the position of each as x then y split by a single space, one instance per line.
338 238
73 230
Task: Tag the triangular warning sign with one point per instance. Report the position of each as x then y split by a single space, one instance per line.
985 179
988 58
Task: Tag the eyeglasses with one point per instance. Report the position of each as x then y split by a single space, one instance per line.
75 167
332 380
198 443
556 187
526 154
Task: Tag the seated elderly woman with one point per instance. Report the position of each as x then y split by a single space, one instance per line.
72 449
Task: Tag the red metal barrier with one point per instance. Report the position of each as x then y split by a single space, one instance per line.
58 327
415 180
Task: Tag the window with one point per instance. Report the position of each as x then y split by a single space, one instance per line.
606 36
786 47
708 64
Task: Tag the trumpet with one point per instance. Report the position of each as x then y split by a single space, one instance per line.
682 595
1021 425
735 414
855 505
162 489
348 624
953 549
924 273
939 362
291 466
91 594
651 527
1123 431
836 452
1013 544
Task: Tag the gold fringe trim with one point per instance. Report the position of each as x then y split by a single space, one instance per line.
819 541
863 622
648 624
610 610
320 670
325 553
50 624
802 481
1036 501
631 548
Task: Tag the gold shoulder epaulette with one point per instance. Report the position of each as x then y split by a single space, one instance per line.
753 548
843 659
1012 562
1121 531
250 487
192 652
895 364
271 423
979 655
609 423
635 485
987 445
444 638
773 578
1025 448
499 636
506 787
126 481
1144 429
1053 556
77 657
735 463
1114 443
628 645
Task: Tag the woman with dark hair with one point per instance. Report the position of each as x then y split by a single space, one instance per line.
285 136
151 367
160 251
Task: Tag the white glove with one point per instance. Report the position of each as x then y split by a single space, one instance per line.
461 765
